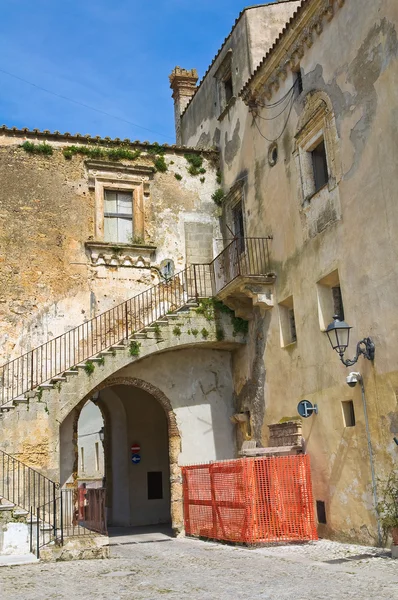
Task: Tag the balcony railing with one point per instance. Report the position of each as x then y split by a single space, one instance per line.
243 257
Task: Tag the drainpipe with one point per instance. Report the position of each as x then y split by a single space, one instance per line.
371 457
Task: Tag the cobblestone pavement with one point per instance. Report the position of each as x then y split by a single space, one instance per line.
187 568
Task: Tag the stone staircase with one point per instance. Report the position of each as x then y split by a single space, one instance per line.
158 332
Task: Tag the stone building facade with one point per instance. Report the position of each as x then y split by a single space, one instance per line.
278 199
308 138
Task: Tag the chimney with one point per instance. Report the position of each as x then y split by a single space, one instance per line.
183 84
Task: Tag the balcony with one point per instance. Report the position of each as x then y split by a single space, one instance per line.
242 277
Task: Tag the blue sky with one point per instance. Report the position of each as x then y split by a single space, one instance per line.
115 56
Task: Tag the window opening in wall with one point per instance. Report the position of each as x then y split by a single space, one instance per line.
273 154
338 302
320 166
298 81
292 324
82 459
97 456
321 511
228 89
238 225
348 413
155 485
287 322
118 216
167 268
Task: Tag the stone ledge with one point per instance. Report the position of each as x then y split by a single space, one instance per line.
120 255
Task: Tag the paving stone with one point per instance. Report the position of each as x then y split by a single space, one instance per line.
188 568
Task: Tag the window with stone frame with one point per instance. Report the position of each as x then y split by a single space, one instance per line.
118 216
225 87
317 149
238 225
287 322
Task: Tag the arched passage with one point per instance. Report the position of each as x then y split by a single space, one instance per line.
134 412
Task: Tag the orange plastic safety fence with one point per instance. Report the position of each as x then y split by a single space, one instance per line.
250 500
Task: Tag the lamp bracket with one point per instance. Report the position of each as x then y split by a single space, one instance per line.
365 347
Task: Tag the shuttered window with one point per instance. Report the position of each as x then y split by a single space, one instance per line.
118 216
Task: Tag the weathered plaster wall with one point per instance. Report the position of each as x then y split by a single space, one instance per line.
354 61
252 35
49 211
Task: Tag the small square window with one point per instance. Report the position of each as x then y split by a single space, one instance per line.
348 413
155 485
118 216
320 166
321 511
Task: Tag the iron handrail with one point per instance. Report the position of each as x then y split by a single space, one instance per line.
242 256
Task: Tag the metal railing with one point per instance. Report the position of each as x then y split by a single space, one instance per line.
53 358
74 512
245 257
242 257
23 486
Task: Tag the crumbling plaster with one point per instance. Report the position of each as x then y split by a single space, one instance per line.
48 213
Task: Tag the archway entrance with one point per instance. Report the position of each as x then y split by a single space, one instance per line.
137 457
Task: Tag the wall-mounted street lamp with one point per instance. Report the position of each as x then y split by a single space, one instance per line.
339 337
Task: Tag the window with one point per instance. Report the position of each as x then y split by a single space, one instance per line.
118 216
348 413
287 322
298 81
225 86
97 468
238 226
82 458
320 166
338 308
155 485
330 299
228 89
321 511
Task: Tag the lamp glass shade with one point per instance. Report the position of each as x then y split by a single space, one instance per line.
339 335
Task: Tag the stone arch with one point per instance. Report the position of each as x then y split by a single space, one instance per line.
173 434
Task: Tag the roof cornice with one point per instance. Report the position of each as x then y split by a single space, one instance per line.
289 48
78 138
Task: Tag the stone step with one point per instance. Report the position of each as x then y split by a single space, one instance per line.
20 512
118 347
139 336
96 359
21 400
106 353
8 506
70 372
7 407
58 378
46 386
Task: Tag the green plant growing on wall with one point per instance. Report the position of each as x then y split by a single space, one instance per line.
218 197
89 367
218 177
205 333
177 331
157 329
195 332
46 409
43 148
206 308
98 152
101 361
39 395
136 240
202 179
160 164
220 335
156 149
239 325
134 348
178 176
195 164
